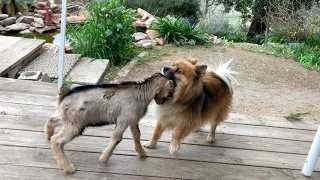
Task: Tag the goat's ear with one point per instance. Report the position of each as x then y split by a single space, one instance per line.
192 61
201 69
170 84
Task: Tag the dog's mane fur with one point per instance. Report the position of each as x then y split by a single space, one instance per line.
114 85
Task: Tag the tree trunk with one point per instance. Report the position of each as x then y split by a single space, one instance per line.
257 25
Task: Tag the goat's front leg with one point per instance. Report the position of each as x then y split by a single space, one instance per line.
136 137
115 140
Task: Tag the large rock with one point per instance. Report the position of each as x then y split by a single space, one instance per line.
143 13
139 36
39 16
41 5
76 20
17 27
3 16
160 41
27 31
25 19
150 21
152 34
42 12
32 28
8 21
38 23
46 28
146 43
139 23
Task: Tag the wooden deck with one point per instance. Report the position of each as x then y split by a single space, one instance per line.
246 147
15 52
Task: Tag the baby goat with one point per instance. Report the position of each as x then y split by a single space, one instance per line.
96 105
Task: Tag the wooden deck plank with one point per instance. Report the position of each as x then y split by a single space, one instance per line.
187 152
9 172
11 57
223 140
131 165
30 99
7 42
26 110
27 87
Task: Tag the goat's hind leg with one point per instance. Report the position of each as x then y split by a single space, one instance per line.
136 137
66 134
52 123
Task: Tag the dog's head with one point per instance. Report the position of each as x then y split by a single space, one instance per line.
164 92
184 71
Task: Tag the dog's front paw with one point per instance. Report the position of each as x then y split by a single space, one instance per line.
173 148
149 145
142 154
103 159
210 139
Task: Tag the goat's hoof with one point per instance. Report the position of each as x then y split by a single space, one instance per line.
142 154
69 169
149 145
210 139
173 148
103 160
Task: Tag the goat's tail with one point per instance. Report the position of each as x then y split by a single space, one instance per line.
64 90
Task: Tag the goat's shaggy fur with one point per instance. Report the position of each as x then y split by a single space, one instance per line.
95 105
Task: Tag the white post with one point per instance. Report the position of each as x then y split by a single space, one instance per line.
313 155
62 41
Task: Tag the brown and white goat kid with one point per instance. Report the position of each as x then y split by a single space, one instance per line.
96 105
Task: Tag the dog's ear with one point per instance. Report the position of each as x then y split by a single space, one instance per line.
201 69
192 61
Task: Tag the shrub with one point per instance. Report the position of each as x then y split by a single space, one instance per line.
218 25
107 33
162 8
180 31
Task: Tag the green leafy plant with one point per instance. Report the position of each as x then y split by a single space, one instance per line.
68 81
14 6
295 116
277 38
107 33
180 31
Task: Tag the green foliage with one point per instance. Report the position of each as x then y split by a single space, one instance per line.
107 33
295 116
277 38
162 8
180 31
68 81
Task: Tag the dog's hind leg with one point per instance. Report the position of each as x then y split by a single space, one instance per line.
66 134
136 137
156 136
52 123
115 140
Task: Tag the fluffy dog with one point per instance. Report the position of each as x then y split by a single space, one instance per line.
202 95
95 105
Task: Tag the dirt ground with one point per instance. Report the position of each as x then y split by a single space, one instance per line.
268 85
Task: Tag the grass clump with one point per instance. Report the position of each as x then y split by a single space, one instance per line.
107 33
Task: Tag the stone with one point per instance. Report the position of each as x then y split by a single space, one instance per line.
56 16
39 16
17 27
1 28
18 15
76 20
44 29
147 45
32 28
56 19
45 78
146 41
27 31
25 19
139 36
42 12
8 21
38 23
41 5
152 34
150 21
160 41
143 13
30 14
139 23
55 8
3 16
68 48
30 75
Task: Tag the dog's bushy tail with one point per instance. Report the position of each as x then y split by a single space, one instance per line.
224 72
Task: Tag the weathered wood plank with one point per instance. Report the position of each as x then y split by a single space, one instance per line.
223 140
158 167
7 42
30 99
187 152
27 87
268 121
11 57
26 110
9 172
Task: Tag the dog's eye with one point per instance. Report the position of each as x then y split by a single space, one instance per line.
179 71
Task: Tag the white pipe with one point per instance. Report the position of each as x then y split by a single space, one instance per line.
313 155
62 41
